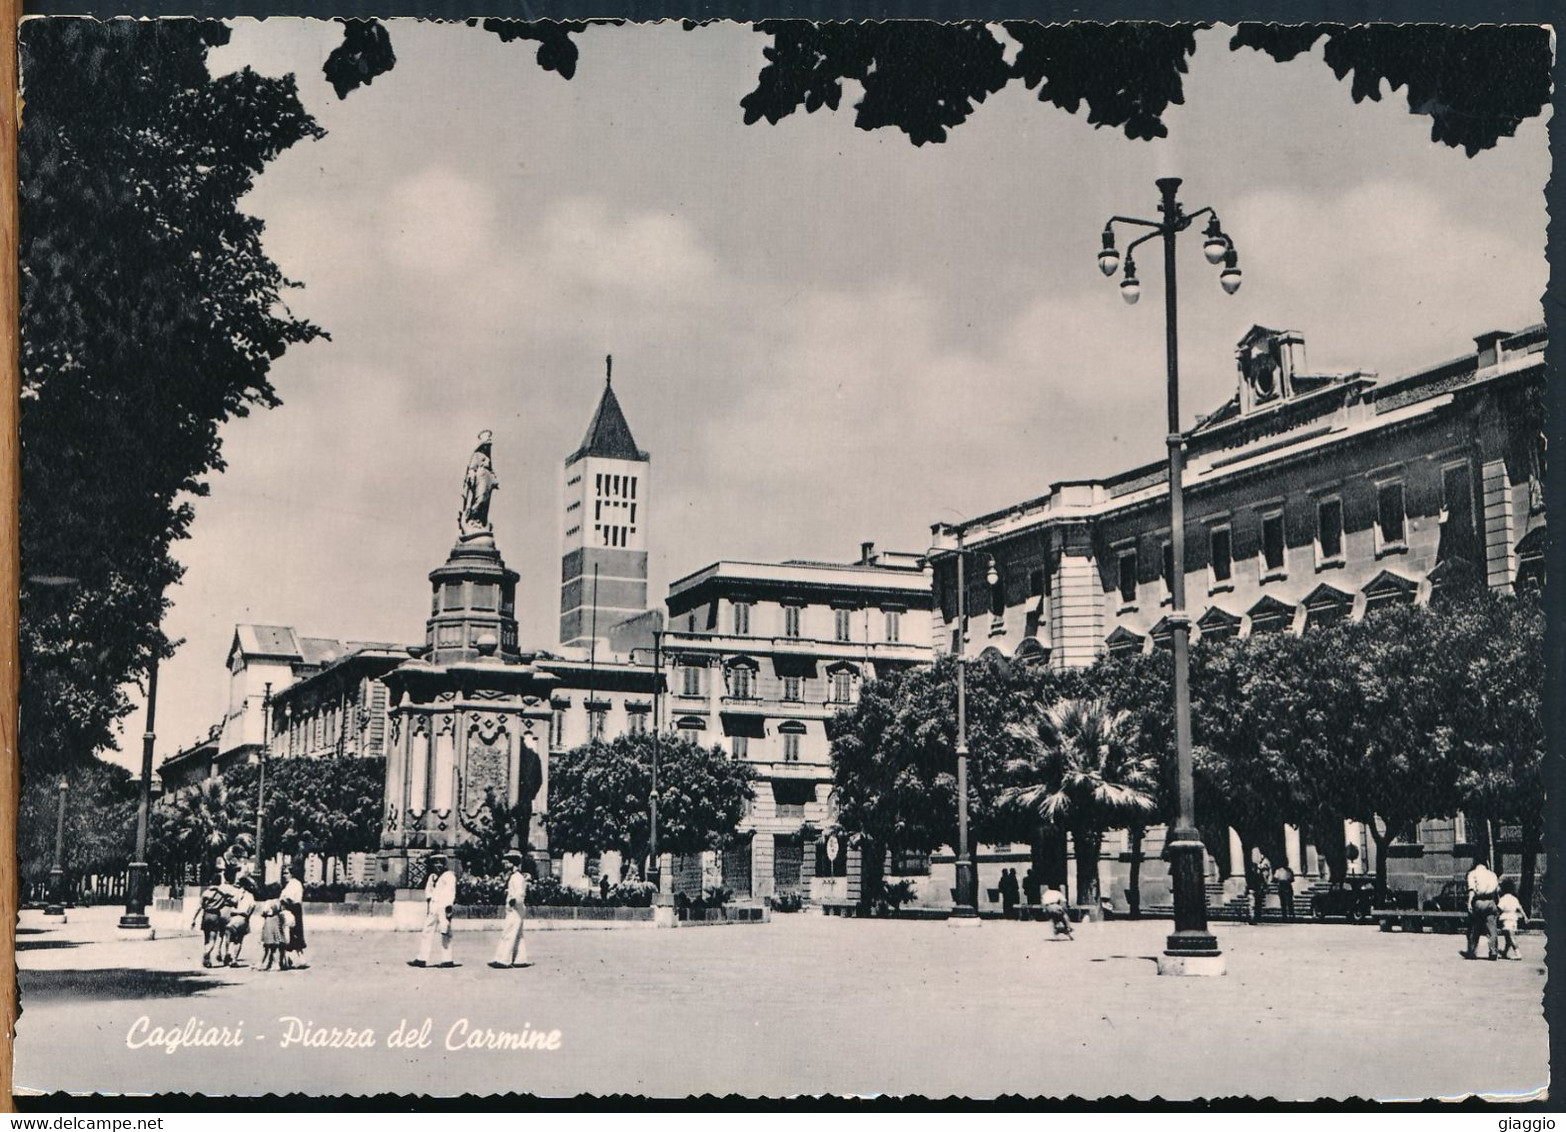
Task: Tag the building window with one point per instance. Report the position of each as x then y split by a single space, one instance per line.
790 748
791 620
1167 567
1272 542
1127 562
740 746
690 623
690 680
842 687
557 729
597 721
1457 516
636 723
1389 516
894 626
1220 547
740 683
792 687
842 624
742 618
1329 531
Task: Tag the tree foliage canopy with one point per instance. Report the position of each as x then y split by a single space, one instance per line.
599 795
150 315
1477 84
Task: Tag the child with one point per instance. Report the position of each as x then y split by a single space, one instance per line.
272 934
286 920
1054 908
212 919
1510 911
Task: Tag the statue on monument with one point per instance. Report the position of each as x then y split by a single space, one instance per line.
477 486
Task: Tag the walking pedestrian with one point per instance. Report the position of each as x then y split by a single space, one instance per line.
211 914
440 900
239 921
512 949
1483 889
1510 912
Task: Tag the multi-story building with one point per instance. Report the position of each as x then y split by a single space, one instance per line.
758 657
1309 497
605 496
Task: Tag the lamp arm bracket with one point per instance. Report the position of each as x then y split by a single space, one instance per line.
1134 220
1140 240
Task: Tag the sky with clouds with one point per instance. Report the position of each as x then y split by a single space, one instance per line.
823 336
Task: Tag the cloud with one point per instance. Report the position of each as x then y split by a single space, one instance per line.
438 223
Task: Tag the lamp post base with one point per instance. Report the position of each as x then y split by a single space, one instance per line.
963 916
1207 964
54 914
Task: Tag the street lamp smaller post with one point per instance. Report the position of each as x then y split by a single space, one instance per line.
138 879
965 902
56 906
266 743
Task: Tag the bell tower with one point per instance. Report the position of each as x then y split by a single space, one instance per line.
603 563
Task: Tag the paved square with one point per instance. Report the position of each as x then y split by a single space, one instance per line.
806 1004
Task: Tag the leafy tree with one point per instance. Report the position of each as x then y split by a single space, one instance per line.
599 795
100 821
330 805
1081 770
894 767
1399 682
1477 84
1240 732
150 316
1494 727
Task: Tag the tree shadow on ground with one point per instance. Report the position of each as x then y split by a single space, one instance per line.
45 944
115 983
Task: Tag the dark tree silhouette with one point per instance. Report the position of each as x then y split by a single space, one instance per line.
1477 84
150 315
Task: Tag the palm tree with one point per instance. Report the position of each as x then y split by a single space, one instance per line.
1082 773
205 820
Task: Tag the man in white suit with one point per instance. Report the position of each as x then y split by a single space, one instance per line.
440 899
512 949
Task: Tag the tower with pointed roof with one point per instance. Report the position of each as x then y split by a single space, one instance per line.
603 565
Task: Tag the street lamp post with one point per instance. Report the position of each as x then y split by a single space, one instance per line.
654 873
266 743
138 879
965 903
1191 949
56 905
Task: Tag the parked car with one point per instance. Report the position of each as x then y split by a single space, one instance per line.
1350 899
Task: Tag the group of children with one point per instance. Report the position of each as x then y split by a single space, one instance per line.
224 915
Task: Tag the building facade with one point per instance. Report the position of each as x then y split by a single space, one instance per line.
1309 497
757 658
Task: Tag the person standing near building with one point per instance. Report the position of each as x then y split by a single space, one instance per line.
1284 877
1483 889
440 900
292 902
512 949
1008 893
